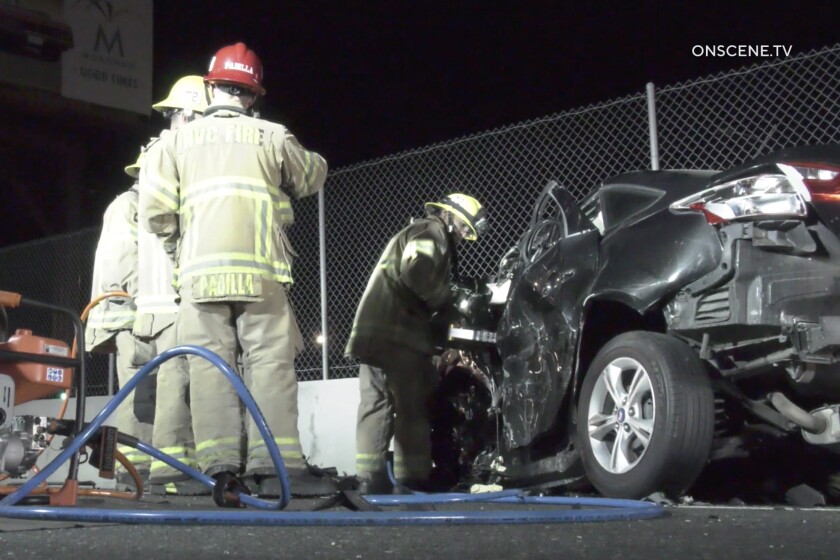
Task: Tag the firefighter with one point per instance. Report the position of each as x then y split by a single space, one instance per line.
157 310
109 325
218 192
394 340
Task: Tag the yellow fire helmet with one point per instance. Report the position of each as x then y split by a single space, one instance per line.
467 208
187 94
133 170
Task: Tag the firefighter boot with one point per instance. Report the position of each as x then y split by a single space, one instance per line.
302 482
374 483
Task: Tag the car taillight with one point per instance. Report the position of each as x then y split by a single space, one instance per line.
821 180
771 193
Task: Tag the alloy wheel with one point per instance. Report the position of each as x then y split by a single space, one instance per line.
621 415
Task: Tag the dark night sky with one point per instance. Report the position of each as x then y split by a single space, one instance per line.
380 77
360 80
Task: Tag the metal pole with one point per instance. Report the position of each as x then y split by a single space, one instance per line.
112 367
654 142
322 238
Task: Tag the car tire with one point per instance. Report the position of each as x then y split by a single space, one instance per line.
658 437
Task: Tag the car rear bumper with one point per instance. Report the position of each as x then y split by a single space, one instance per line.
766 293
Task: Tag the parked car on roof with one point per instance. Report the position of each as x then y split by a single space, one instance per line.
671 319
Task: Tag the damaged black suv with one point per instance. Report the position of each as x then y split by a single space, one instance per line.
670 319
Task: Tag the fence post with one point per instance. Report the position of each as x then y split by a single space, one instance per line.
322 240
112 367
654 141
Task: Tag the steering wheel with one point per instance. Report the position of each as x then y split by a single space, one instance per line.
543 236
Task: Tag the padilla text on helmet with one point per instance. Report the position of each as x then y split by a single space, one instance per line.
230 65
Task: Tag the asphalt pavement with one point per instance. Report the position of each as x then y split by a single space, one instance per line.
686 531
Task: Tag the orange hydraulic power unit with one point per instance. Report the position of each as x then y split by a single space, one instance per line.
37 380
33 367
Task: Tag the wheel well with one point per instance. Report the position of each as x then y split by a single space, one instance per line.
603 321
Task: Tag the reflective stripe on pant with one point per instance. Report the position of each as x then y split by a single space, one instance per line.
173 433
394 403
130 353
267 334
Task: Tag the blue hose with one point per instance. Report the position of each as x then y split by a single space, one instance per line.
600 509
609 510
109 408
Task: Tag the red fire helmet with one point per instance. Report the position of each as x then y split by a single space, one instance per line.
237 65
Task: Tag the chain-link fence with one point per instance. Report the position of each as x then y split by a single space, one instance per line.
505 169
727 119
55 271
709 123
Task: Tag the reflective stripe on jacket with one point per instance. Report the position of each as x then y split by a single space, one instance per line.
410 282
114 270
218 191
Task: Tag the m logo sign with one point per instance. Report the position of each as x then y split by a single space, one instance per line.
102 42
111 62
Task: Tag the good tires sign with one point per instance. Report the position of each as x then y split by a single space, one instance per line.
111 63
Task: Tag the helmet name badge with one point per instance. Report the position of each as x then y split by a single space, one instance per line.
230 65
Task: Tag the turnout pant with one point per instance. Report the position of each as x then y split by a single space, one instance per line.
173 432
135 415
268 335
394 403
